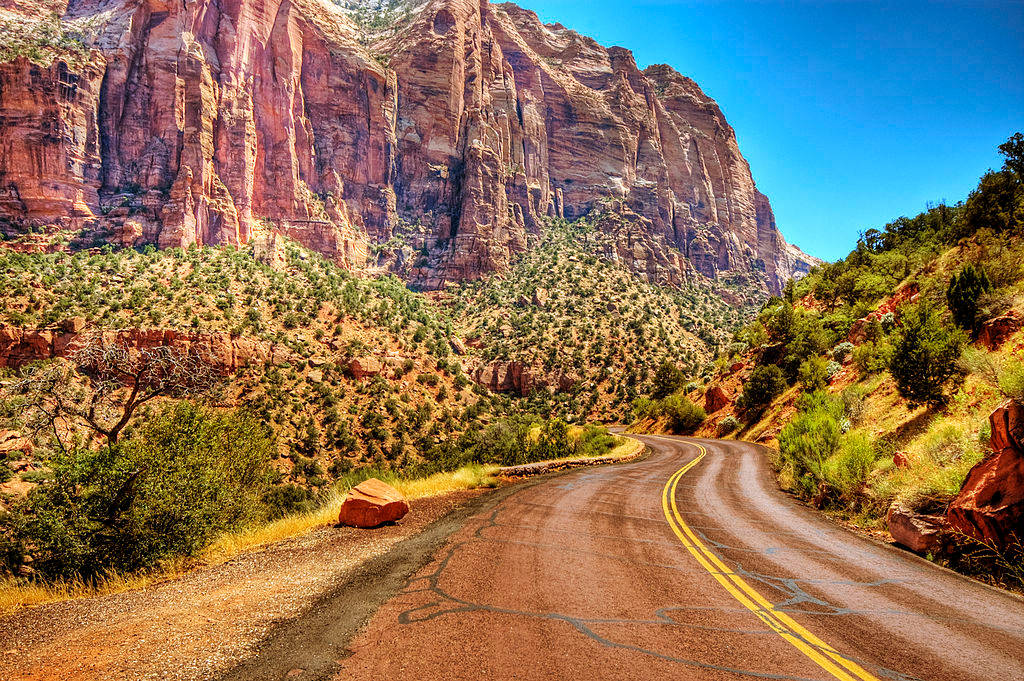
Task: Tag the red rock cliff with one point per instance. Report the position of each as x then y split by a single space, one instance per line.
211 122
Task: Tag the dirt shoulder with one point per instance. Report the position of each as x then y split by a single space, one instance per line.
206 622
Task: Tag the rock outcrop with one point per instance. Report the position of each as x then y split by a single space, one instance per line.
226 354
995 331
214 122
372 503
990 505
516 377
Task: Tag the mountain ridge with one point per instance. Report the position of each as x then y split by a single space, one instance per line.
149 122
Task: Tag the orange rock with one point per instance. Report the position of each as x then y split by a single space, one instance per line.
715 398
364 367
12 441
372 503
995 331
990 505
919 533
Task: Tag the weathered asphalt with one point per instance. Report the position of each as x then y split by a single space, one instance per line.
592 575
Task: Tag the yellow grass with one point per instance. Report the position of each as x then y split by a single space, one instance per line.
19 593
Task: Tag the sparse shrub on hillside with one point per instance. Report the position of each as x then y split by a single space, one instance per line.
817 458
841 351
814 374
764 384
643 407
188 474
872 357
683 415
667 380
728 425
1004 374
925 357
964 294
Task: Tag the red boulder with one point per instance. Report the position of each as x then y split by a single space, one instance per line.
990 505
919 533
372 503
715 398
995 331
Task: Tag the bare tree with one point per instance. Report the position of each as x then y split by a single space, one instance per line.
101 385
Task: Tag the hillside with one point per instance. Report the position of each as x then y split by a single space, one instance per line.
567 316
889 380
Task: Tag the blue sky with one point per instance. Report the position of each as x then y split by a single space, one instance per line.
850 113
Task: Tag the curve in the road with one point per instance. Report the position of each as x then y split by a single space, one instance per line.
687 564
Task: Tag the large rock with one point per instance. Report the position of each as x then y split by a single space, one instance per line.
919 533
715 398
364 367
372 503
994 332
208 122
990 505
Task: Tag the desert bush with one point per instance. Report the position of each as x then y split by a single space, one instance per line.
964 294
764 384
728 425
813 374
925 357
841 351
872 357
683 415
667 380
807 442
187 475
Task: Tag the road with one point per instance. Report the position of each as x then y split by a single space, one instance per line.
688 564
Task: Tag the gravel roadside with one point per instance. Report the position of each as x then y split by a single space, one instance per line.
206 622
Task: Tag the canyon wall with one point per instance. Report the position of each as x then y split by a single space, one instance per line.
168 122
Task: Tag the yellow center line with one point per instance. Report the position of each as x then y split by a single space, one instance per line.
827 657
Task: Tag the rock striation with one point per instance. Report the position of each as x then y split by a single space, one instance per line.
456 131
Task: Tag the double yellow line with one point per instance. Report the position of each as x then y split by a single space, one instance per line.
827 657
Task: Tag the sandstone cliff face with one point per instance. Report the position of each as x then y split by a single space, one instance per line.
211 122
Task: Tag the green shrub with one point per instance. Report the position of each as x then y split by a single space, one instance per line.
964 292
841 351
728 425
814 374
847 469
683 415
807 441
924 360
643 407
764 384
187 475
667 380
872 357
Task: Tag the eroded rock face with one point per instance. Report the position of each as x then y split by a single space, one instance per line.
990 505
372 503
212 122
19 346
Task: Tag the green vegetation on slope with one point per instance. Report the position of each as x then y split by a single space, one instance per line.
565 308
870 351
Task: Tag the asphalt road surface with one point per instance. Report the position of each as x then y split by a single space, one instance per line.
688 564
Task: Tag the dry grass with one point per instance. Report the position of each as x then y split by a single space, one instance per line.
20 593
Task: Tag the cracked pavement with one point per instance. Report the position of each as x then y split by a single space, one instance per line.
581 576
